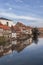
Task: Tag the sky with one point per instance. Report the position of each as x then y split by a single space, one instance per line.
29 12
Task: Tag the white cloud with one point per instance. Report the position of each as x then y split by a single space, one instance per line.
10 8
14 16
35 21
41 5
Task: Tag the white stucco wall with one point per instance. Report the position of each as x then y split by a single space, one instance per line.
5 22
1 30
13 35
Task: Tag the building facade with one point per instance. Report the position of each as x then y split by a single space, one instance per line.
7 22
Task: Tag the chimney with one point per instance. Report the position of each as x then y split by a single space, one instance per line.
7 24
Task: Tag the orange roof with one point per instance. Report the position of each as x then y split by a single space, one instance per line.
4 27
16 28
1 25
41 28
20 24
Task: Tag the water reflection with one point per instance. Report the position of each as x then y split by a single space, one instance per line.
35 39
17 46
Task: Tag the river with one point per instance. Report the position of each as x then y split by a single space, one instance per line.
28 52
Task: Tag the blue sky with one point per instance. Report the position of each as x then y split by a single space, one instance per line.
30 12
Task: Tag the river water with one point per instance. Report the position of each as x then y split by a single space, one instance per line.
28 52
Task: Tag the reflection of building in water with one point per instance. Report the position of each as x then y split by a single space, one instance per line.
14 42
35 39
17 46
21 45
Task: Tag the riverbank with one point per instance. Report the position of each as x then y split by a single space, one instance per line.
3 40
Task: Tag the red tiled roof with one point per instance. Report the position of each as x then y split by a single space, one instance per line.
40 28
20 24
4 27
16 28
1 25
